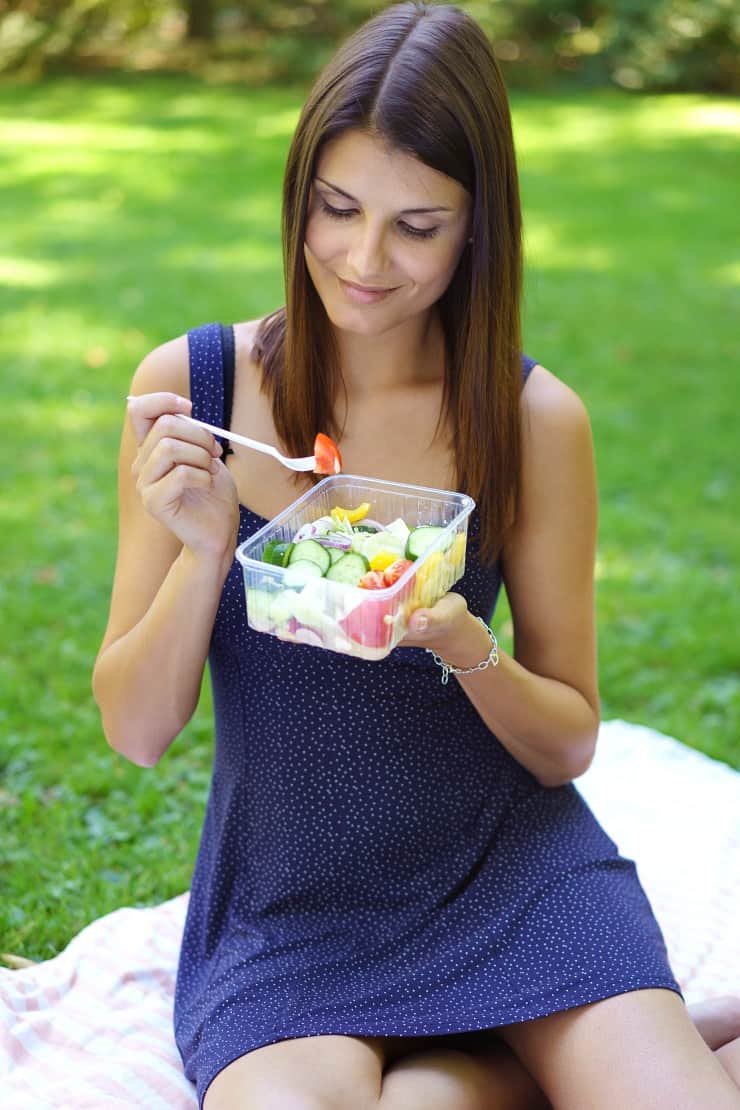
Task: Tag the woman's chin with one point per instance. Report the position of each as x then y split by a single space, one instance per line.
357 321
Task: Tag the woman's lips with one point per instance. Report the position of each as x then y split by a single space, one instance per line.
361 294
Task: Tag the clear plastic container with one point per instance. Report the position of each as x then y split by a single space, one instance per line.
347 618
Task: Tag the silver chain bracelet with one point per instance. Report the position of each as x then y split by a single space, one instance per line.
491 659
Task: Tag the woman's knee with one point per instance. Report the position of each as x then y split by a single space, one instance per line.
282 1096
729 1057
436 1079
456 1079
317 1073
717 1019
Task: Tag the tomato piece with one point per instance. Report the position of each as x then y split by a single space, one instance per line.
326 455
373 580
370 623
393 572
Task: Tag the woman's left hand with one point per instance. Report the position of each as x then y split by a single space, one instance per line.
449 628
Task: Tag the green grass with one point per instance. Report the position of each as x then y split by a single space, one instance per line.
134 209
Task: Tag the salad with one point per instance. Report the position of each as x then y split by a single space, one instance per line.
349 582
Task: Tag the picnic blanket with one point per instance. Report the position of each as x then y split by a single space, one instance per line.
92 1027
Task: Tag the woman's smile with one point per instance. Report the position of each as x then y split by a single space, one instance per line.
364 294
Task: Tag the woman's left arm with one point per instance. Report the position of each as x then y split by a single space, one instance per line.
542 703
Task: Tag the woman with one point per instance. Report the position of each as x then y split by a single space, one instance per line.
400 899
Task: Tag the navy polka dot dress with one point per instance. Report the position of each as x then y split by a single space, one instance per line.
373 861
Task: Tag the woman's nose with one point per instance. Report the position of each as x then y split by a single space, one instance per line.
366 253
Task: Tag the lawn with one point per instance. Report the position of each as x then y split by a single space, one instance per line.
135 208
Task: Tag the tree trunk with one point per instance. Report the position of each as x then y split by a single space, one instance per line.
200 19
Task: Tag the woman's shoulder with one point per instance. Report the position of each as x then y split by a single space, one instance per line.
166 368
550 406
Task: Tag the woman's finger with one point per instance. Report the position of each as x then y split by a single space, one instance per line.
166 454
169 491
427 624
170 426
147 408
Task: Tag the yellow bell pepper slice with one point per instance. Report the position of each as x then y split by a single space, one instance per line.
456 552
352 515
383 560
428 583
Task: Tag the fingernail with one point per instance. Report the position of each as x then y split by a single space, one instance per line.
421 624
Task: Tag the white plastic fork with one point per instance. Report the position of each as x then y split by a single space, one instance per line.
306 463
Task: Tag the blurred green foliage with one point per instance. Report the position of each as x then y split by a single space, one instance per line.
664 44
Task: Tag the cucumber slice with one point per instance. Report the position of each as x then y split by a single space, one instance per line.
282 606
312 552
309 609
349 569
277 552
258 609
335 554
423 538
300 571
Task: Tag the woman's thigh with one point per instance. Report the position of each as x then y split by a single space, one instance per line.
638 1049
455 1072
461 1072
305 1073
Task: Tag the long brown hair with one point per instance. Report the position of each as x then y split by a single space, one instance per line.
425 78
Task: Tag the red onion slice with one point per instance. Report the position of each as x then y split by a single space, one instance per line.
335 539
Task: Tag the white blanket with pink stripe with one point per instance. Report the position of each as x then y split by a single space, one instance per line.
92 1028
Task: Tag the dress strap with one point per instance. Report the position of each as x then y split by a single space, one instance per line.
229 364
206 350
528 365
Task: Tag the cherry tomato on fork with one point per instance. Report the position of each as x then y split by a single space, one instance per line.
326 454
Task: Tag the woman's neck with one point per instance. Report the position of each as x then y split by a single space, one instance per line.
407 356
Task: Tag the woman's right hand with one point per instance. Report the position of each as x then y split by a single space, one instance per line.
180 477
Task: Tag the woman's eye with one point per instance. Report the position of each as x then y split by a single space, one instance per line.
337 213
418 232
406 229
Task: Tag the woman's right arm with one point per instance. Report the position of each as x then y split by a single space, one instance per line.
178 522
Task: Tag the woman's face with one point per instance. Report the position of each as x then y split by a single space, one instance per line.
384 233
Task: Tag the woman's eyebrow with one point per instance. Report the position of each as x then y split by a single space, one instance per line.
405 212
